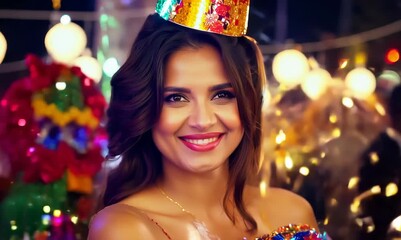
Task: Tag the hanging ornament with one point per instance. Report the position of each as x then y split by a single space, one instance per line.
56 4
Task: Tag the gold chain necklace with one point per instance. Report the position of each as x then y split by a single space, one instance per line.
175 202
199 225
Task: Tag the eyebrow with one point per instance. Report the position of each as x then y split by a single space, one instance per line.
221 86
186 90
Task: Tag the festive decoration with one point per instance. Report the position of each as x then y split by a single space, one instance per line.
90 67
316 83
51 134
3 47
294 232
290 67
361 82
312 145
65 42
56 4
228 17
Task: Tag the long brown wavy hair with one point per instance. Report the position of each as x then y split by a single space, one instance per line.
137 99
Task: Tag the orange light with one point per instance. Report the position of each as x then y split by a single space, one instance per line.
392 56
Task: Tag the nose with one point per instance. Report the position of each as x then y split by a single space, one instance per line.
203 116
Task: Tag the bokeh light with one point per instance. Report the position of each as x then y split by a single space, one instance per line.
289 67
90 67
3 47
316 83
65 42
361 82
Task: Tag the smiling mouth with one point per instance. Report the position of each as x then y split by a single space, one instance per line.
199 144
201 141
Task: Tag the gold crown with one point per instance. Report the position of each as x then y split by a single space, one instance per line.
227 17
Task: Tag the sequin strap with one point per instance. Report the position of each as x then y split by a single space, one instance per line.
295 232
158 225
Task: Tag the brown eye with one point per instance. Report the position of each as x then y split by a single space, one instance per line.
224 94
175 98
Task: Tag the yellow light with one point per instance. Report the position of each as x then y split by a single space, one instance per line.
374 158
57 213
326 221
288 162
336 132
3 47
289 67
313 63
304 171
352 183
376 189
333 202
360 59
333 118
74 219
281 137
314 161
391 189
347 102
90 67
278 113
396 224
65 42
14 227
262 188
361 82
359 222
316 83
354 207
46 209
343 63
380 109
322 154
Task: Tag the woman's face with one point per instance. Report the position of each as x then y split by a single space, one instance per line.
199 125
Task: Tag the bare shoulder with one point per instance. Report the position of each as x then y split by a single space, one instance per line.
120 221
285 207
293 207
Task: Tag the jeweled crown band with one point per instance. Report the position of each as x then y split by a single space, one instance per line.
227 17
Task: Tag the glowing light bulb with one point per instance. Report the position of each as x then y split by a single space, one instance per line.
361 82
65 42
289 67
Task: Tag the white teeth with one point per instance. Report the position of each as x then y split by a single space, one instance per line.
201 141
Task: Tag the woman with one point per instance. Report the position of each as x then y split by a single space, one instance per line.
185 117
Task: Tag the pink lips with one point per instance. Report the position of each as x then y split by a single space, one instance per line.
202 142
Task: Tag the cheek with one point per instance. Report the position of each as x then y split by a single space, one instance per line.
230 117
170 121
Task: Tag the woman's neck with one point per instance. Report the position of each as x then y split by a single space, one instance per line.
195 190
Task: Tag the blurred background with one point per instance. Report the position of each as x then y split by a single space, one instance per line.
331 68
